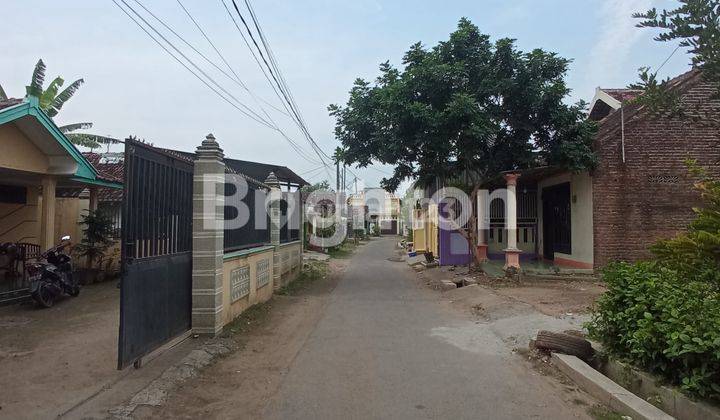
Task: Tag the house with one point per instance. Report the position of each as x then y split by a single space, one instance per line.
37 164
432 234
383 209
640 192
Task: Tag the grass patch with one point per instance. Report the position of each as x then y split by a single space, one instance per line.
600 412
311 272
252 316
345 250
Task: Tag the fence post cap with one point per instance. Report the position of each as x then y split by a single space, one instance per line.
210 148
272 180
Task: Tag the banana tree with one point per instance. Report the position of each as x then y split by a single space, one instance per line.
52 100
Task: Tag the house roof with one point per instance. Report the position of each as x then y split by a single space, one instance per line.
42 130
261 171
608 100
107 171
622 95
612 123
255 171
9 102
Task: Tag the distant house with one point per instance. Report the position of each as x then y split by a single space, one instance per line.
640 192
380 208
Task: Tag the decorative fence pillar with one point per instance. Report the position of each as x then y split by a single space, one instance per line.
512 253
275 196
208 234
482 226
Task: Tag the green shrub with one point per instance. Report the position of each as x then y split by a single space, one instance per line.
664 315
661 322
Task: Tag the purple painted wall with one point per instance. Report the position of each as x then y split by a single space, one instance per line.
453 247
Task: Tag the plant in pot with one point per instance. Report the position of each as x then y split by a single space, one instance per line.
97 238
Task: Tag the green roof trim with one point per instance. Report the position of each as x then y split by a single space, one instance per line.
98 182
246 252
30 107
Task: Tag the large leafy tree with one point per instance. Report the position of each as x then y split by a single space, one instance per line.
466 107
52 100
694 25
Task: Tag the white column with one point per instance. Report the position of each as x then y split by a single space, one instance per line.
512 253
482 225
93 198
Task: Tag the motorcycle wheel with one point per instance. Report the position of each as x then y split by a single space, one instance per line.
44 297
74 291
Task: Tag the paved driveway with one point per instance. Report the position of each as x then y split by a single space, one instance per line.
386 348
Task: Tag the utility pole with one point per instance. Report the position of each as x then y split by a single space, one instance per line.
337 176
344 178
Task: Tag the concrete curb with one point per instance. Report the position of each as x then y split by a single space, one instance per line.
670 400
607 391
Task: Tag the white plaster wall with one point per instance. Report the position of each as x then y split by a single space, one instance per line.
581 216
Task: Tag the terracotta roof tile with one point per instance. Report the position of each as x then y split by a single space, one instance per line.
623 95
107 171
7 103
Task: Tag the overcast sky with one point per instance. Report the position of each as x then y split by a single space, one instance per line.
134 87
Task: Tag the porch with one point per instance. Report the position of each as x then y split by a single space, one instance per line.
38 169
539 221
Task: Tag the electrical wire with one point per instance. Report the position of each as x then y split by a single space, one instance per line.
249 113
296 146
181 62
257 61
293 110
254 115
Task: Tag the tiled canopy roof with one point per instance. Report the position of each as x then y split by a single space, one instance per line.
623 95
7 103
107 171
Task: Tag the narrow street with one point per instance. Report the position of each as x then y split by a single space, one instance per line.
380 346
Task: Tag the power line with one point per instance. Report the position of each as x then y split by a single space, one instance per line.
257 61
667 59
258 119
273 60
212 44
311 170
249 113
293 110
276 66
296 146
180 61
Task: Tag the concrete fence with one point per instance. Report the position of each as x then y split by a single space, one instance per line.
226 284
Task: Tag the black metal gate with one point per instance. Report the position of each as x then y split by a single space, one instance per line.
156 285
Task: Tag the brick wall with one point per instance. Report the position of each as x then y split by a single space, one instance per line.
651 195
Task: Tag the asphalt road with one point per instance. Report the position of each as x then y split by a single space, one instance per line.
385 348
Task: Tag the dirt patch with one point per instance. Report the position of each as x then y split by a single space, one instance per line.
268 337
554 297
53 358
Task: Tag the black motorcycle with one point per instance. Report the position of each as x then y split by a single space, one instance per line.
51 275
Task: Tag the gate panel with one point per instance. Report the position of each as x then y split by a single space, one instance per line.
156 283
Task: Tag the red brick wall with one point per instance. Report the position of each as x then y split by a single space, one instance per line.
651 195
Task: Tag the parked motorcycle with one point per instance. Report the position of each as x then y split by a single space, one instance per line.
51 275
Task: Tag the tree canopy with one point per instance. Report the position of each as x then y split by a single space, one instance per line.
694 23
465 106
52 100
